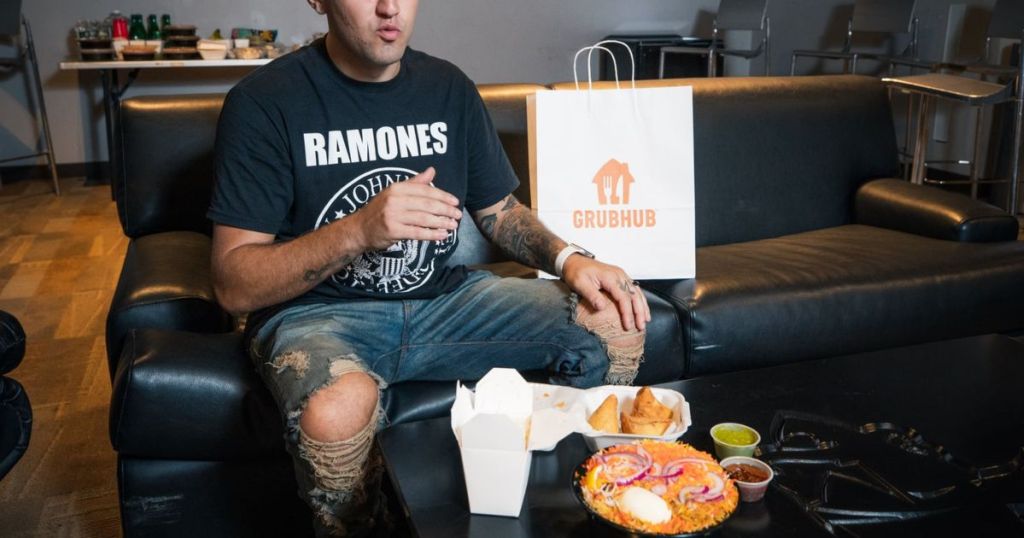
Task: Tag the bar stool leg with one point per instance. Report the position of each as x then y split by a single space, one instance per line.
45 120
975 169
1013 205
921 144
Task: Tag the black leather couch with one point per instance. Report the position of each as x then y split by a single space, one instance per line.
806 250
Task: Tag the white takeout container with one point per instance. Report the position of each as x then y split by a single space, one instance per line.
506 418
592 399
496 428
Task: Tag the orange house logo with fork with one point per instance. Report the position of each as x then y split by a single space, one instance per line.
613 183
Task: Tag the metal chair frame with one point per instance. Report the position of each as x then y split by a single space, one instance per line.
26 53
736 14
862 23
977 94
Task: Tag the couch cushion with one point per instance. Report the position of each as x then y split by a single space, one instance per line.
842 290
182 395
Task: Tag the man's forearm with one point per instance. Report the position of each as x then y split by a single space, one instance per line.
513 228
253 276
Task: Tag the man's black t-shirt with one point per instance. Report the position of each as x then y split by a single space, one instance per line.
300 145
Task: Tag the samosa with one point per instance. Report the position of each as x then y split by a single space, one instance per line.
605 419
644 426
648 407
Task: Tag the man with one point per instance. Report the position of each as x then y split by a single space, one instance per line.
342 171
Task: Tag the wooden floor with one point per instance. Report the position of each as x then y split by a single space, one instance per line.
59 262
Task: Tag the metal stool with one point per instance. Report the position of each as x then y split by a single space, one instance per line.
974 93
875 17
749 15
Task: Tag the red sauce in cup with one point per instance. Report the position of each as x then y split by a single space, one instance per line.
745 472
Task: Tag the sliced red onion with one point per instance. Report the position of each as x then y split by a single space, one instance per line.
643 453
671 469
704 493
690 491
717 487
659 489
637 465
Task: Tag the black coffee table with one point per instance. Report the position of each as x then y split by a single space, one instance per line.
922 440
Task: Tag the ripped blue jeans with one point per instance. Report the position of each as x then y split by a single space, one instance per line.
487 322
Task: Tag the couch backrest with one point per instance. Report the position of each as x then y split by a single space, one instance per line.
781 155
773 156
166 150
167 161
506 104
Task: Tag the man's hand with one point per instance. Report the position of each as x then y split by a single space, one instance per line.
413 209
588 277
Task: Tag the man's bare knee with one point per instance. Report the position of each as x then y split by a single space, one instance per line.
342 409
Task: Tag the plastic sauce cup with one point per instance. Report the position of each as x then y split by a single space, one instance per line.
751 491
733 439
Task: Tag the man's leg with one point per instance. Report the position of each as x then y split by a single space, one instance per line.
329 396
518 323
625 349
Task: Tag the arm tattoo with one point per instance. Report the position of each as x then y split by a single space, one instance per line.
523 237
487 224
316 275
488 221
313 275
510 202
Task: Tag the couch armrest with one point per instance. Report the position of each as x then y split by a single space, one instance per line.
165 283
180 396
931 212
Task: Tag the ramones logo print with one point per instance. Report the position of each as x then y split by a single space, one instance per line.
405 265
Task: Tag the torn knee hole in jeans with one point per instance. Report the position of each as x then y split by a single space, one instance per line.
344 512
296 360
625 349
338 465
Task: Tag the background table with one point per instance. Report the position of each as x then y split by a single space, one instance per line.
961 394
113 91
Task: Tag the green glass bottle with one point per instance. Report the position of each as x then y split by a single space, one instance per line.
153 29
136 29
165 21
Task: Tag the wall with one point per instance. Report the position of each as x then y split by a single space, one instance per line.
492 40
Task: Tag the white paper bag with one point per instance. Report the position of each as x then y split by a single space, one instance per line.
612 170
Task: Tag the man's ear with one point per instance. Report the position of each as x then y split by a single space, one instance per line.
317 5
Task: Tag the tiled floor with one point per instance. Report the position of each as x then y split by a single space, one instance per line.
59 262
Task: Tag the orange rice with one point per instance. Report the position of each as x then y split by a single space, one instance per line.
689 516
